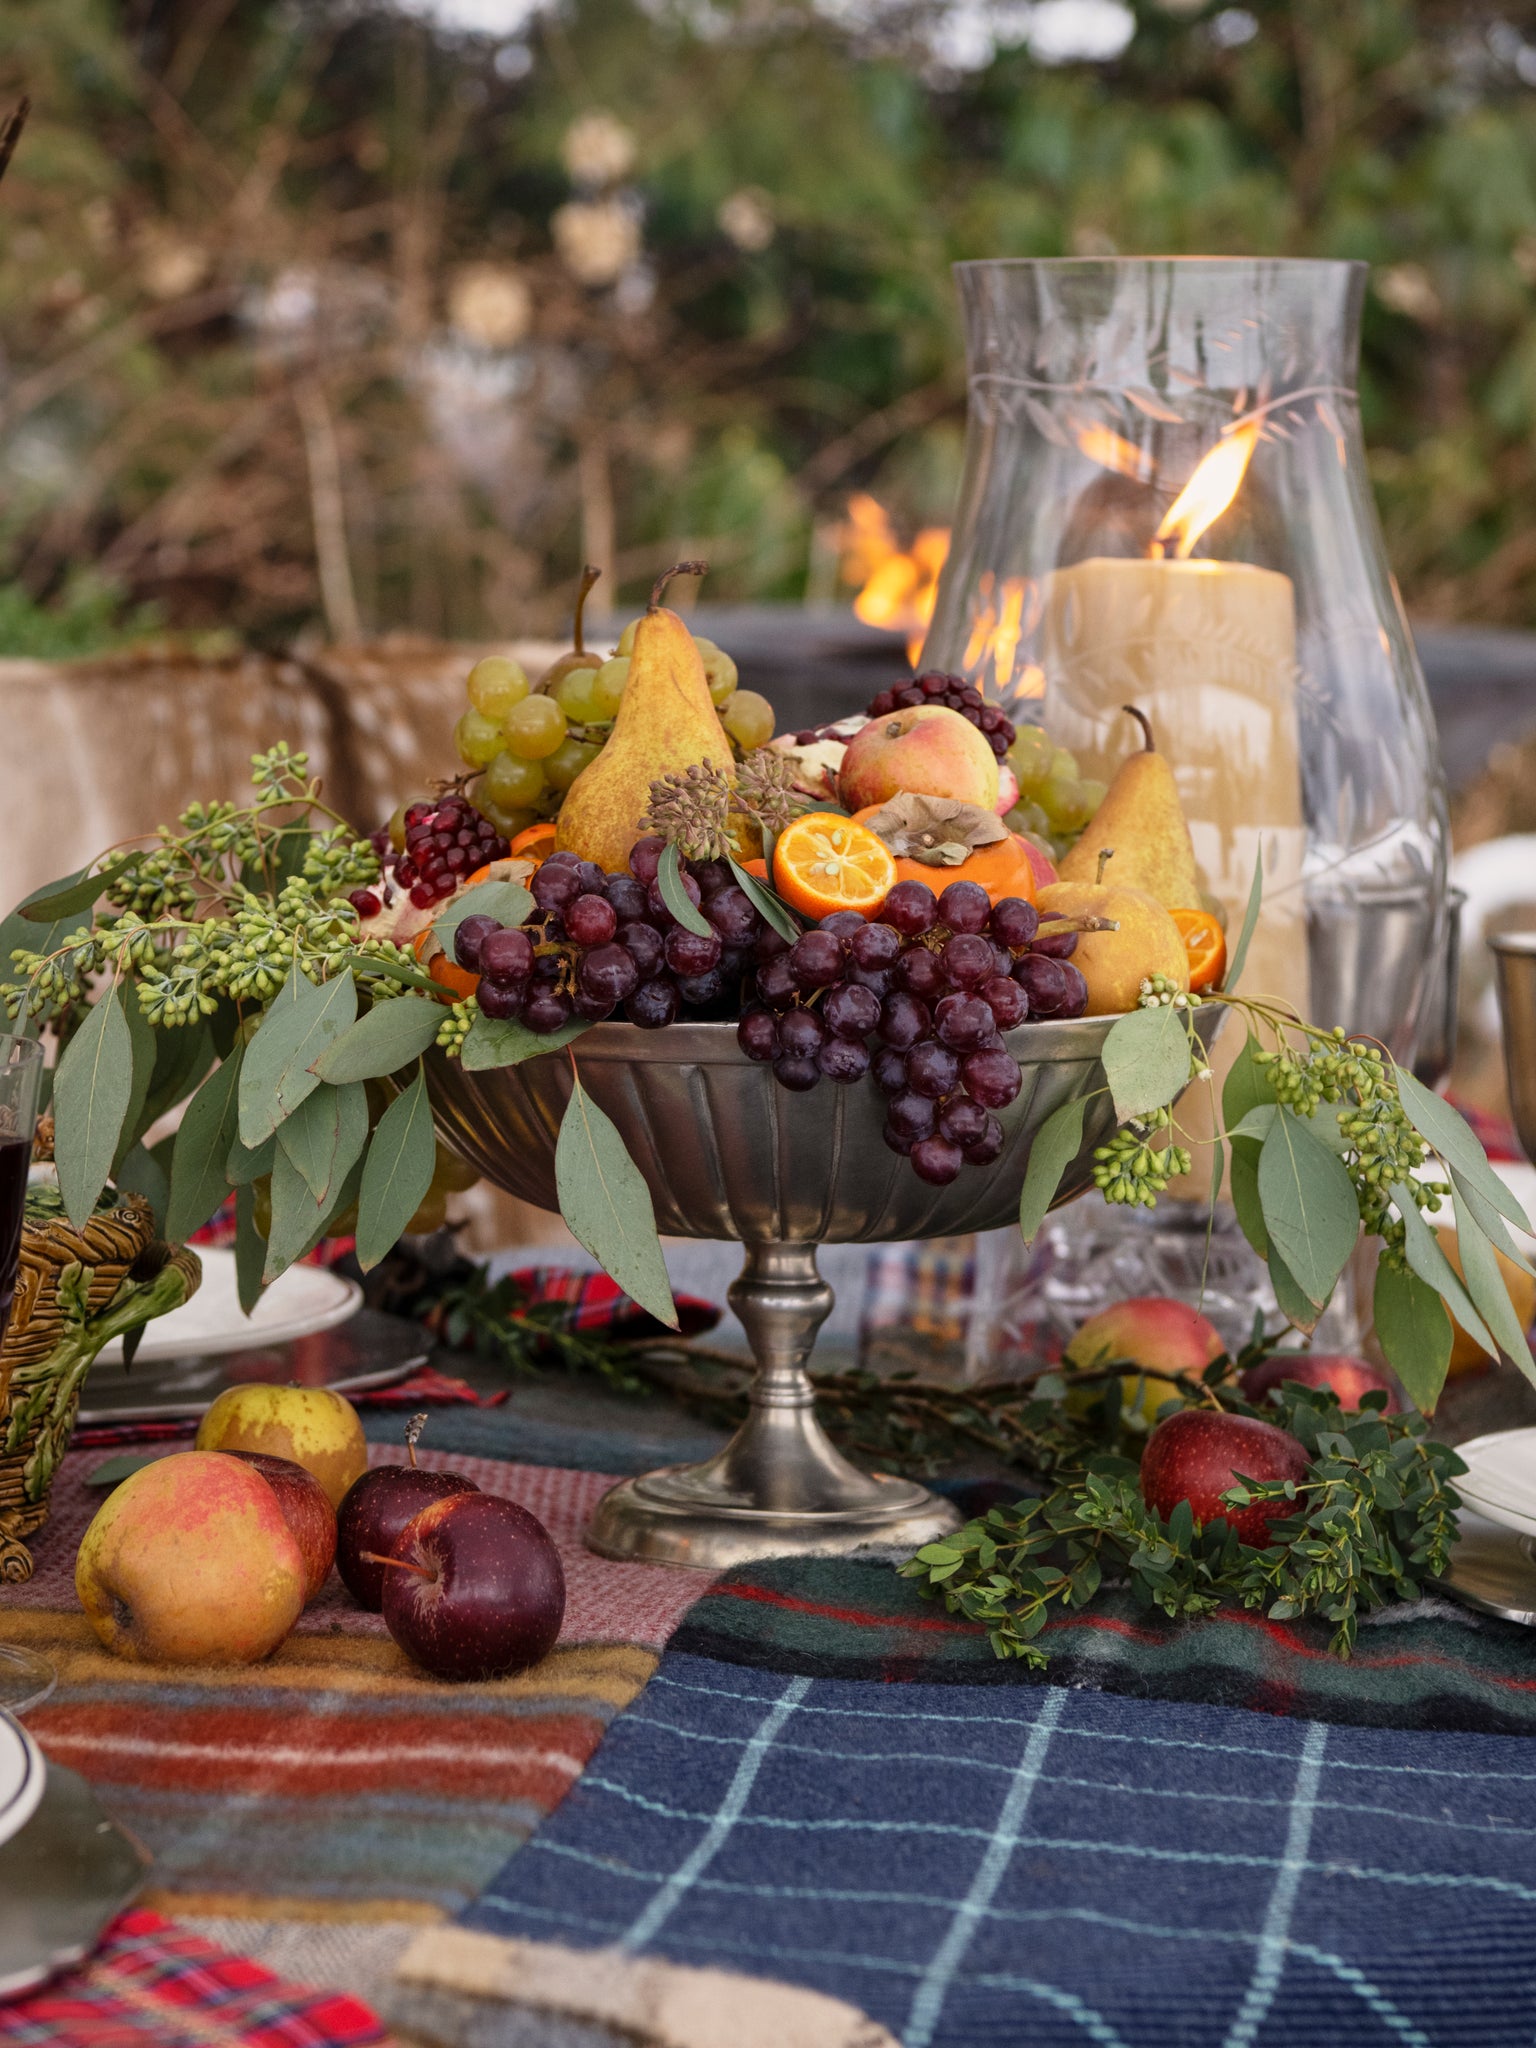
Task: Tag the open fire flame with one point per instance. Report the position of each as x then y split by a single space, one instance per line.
897 587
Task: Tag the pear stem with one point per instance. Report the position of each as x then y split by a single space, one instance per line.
400 1563
1056 927
1141 718
589 576
1105 853
677 569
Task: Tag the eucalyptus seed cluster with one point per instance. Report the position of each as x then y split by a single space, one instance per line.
1159 993
1129 1170
765 787
454 1028
692 809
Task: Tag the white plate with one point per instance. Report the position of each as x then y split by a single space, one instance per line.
304 1300
22 1777
1500 1479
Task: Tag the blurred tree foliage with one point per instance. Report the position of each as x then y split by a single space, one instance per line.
320 310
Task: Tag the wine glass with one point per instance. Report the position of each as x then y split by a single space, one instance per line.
25 1678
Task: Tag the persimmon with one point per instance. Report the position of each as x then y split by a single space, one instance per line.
1003 869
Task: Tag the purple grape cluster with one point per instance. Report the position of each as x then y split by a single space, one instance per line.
956 694
919 999
444 844
597 944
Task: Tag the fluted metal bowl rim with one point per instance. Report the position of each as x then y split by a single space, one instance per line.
1037 1040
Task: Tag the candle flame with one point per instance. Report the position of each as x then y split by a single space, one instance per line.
897 587
1207 494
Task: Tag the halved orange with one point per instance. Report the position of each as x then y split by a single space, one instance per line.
1206 944
535 842
824 862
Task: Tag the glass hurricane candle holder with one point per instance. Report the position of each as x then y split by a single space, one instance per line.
1165 503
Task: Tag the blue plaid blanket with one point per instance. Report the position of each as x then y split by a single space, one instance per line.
1011 1865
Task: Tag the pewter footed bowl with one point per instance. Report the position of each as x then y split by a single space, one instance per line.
727 1153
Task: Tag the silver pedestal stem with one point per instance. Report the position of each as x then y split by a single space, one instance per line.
779 1487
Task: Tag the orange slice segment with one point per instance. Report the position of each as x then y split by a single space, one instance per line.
535 842
1206 945
824 862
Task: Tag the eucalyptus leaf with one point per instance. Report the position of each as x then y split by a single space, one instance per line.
1239 959
19 931
1147 1059
397 1173
607 1205
325 1134
209 1130
90 1101
1289 1297
1056 1144
669 880
1435 1269
77 895
1486 1285
1440 1125
1492 1223
1247 1084
1414 1331
766 901
302 1021
390 1037
183 1055
1243 1182
250 1251
391 970
1258 1123
1310 1210
247 1163
503 1042
140 1172
298 1220
508 902
144 1042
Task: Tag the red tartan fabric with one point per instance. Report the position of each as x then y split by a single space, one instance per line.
149 1983
597 1303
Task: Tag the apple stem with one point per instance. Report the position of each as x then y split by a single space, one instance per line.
677 569
413 1430
401 1563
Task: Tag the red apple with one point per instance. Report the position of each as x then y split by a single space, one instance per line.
474 1589
1154 1331
306 1509
926 749
1348 1377
1199 1453
373 1516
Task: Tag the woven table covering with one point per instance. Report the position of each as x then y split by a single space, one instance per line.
1043 1865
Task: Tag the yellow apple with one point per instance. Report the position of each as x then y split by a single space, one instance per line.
310 1426
191 1561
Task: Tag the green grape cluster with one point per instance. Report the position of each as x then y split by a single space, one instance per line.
1131 1171
1055 800
526 743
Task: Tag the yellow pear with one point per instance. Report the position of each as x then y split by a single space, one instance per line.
1142 820
664 724
1114 964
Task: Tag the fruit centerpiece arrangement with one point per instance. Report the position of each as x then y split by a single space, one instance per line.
884 912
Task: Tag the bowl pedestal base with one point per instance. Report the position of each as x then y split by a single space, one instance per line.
779 1488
